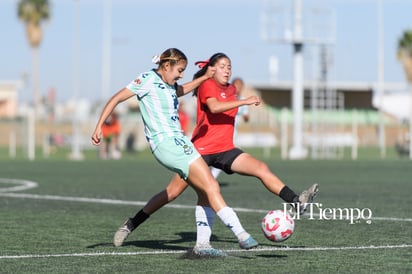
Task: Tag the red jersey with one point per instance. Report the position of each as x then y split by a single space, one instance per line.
214 132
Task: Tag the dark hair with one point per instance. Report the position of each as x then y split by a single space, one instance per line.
211 62
172 55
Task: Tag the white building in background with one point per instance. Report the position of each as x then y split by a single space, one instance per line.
396 104
9 98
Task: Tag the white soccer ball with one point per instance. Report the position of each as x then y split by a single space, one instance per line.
277 225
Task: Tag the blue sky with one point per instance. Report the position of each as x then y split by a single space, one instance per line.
140 29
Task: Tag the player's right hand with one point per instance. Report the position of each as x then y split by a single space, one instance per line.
96 138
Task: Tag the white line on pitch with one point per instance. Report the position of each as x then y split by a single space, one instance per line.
21 184
138 203
30 256
25 184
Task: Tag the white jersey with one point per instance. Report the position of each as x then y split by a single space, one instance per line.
158 104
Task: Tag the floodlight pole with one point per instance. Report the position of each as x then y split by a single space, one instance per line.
76 153
410 123
297 151
381 87
106 52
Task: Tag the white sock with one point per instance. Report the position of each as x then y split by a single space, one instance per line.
204 224
230 219
215 172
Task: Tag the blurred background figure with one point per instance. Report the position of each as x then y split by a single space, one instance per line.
111 131
243 111
130 140
184 118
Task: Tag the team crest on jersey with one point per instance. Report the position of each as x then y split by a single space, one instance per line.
223 95
137 81
187 149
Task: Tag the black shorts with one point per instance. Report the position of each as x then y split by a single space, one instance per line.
223 160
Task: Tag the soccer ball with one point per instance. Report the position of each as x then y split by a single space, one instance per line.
277 225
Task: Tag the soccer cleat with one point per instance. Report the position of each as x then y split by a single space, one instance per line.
248 243
306 197
208 251
122 233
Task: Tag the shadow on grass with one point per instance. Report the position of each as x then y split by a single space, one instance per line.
271 256
187 237
223 184
163 244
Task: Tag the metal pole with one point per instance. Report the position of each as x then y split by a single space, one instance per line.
381 81
35 112
297 151
106 56
410 123
31 130
76 153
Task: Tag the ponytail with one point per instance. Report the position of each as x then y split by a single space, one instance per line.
204 65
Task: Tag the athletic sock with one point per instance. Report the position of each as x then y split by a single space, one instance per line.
204 224
215 172
288 195
139 218
230 219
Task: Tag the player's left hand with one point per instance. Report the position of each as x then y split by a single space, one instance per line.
253 100
210 71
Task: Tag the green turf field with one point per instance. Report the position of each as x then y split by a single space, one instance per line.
65 222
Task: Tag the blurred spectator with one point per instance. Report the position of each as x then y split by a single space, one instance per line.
130 140
243 111
111 131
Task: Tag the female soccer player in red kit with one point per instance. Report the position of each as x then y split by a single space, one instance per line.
217 106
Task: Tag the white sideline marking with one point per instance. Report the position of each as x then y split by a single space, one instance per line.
29 184
122 202
30 256
22 184
81 199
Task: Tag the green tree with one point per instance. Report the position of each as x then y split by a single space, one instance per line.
405 53
33 13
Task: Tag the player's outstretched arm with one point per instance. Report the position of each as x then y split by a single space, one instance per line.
216 106
119 97
189 86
